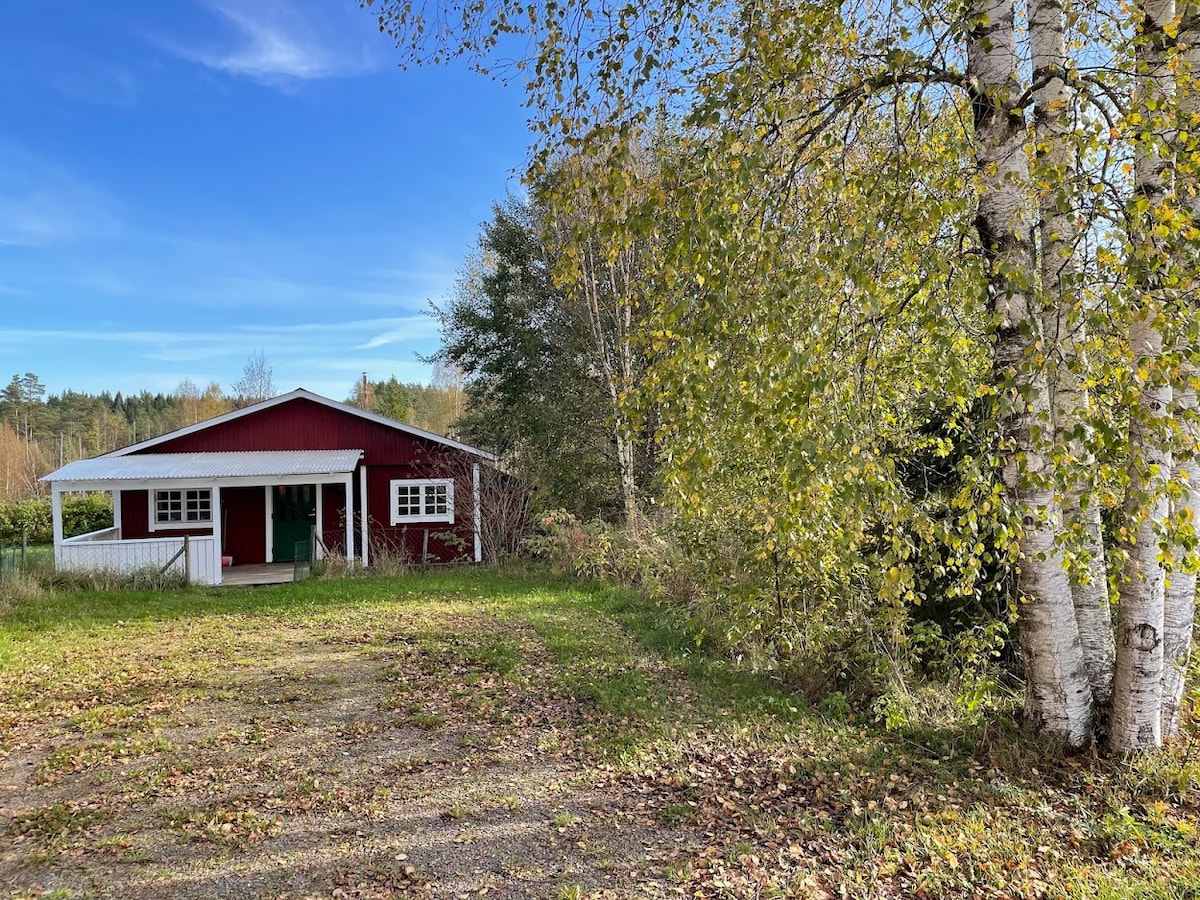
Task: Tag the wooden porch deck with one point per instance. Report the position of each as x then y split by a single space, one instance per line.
268 573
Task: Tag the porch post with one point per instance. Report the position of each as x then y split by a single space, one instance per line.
56 513
476 512
319 524
270 527
218 545
366 535
116 500
349 518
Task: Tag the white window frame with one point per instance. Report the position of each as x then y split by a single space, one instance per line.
425 484
156 525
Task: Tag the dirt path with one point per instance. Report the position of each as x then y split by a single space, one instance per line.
415 762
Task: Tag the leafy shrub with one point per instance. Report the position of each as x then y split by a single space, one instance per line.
31 519
85 513
26 518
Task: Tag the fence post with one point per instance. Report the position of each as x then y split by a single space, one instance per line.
187 560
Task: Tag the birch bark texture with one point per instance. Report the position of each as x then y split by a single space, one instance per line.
1136 721
1180 597
1058 699
1065 336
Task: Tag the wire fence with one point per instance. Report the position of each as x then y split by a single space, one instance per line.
15 556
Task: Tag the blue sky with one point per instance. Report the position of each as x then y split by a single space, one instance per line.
184 183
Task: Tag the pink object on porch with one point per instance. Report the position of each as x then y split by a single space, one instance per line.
226 561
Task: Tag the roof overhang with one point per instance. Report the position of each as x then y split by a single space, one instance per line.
232 468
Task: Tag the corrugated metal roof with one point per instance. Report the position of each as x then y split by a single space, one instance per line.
234 464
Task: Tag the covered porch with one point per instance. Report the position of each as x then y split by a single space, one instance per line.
207 513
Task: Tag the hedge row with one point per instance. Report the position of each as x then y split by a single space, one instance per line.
81 513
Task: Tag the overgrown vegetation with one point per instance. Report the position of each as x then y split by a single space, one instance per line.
230 727
905 293
828 647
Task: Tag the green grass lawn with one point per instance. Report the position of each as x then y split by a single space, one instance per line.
34 556
468 733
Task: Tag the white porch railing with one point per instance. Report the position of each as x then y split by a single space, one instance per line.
104 534
90 553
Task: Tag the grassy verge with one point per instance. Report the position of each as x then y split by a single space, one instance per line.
562 740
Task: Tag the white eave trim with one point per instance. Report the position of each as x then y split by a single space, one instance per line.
302 394
164 483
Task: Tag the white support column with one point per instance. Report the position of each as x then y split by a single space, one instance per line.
56 513
218 546
116 500
366 534
319 524
270 529
478 508
349 518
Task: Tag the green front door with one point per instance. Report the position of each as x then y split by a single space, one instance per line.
294 513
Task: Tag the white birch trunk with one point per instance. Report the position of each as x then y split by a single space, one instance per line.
1180 600
1064 335
1058 698
1136 722
607 286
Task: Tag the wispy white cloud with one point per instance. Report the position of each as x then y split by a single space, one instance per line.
418 326
277 42
43 204
95 82
420 329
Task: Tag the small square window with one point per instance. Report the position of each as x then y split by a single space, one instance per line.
183 507
422 500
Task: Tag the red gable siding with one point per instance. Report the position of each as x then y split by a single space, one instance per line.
301 424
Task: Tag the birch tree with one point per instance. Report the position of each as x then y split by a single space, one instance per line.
1180 594
1056 113
798 112
1137 689
1058 697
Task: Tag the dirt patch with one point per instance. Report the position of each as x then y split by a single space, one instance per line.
425 759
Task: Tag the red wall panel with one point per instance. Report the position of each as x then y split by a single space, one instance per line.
135 514
409 540
135 519
244 525
333 522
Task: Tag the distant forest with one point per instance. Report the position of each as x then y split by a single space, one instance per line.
40 431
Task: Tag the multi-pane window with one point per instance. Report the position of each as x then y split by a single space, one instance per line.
422 500
181 508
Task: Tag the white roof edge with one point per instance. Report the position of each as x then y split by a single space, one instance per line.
301 393
228 464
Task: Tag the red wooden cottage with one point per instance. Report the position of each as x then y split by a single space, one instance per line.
290 476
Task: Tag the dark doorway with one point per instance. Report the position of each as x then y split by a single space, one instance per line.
294 514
